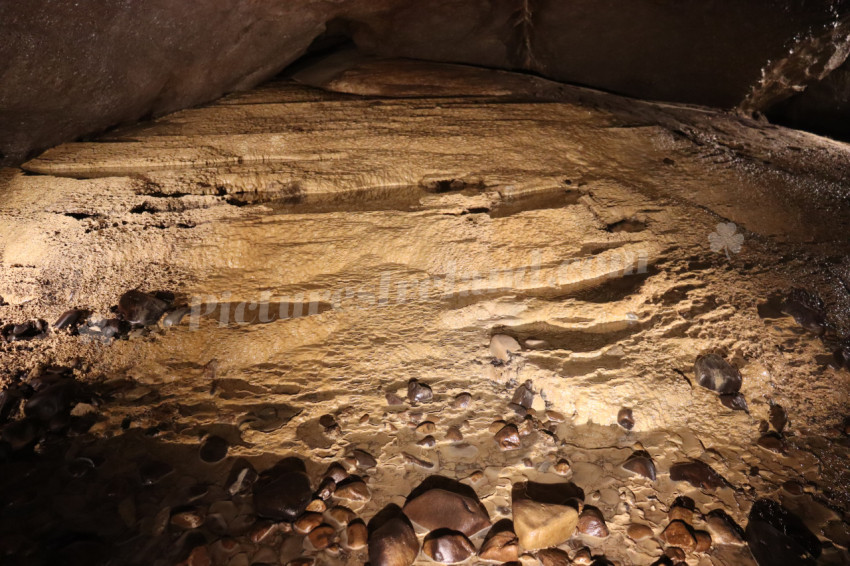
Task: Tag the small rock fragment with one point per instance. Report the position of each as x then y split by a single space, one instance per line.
453 434
698 474
426 427
394 543
554 557
734 401
508 438
440 509
679 534
419 392
778 418
356 535
341 515
523 396
307 522
592 523
772 441
427 442
562 467
71 319
626 419
283 492
353 491
502 546
364 459
141 309
447 547
503 347
462 401
639 532
241 477
715 373
321 537
641 463
703 541
394 400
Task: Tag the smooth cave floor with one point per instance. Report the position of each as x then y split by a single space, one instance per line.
485 297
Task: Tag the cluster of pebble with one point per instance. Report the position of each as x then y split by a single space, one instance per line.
135 311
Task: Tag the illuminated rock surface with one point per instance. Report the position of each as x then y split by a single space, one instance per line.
391 239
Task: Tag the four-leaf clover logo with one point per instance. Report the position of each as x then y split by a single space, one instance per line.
726 238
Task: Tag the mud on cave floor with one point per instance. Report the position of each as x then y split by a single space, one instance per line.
420 227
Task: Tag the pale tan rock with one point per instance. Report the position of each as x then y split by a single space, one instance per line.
542 525
503 347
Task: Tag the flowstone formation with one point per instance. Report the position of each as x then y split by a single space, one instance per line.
473 318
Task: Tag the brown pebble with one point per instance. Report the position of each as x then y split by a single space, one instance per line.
583 557
418 392
641 463
703 541
354 491
427 442
394 400
356 535
364 419
447 547
502 547
675 553
321 537
626 419
639 532
555 416
454 434
317 506
462 401
341 515
263 533
681 513
364 459
562 467
554 557
307 522
496 426
326 488
426 427
336 472
678 533
592 523
508 438
327 421
773 442
191 519
778 418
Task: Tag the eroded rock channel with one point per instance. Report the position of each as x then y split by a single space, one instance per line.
357 321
